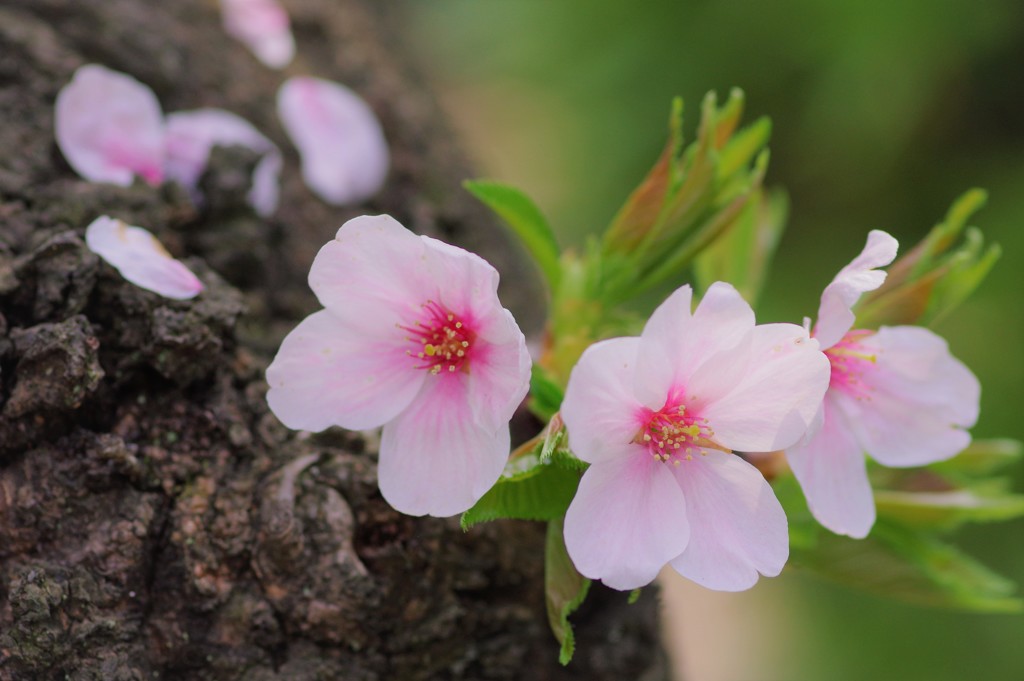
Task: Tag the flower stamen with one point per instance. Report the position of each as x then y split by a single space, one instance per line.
444 341
673 435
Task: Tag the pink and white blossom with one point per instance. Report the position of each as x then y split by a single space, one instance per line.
191 136
340 141
658 417
109 127
263 26
413 338
141 259
896 393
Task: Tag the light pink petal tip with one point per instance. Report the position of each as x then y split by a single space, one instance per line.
262 26
738 529
344 154
775 400
835 316
600 409
141 259
434 460
329 372
830 467
627 520
191 136
109 127
677 343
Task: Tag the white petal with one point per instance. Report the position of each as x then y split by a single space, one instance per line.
499 376
434 459
373 261
919 399
774 403
675 343
332 373
344 153
263 26
265 191
109 127
830 468
835 316
499 368
627 520
141 259
737 527
600 411
191 136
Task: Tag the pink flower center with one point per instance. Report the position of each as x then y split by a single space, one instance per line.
443 340
671 434
850 360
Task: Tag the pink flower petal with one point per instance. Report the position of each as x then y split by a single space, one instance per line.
835 316
499 376
776 400
329 372
373 261
918 399
499 371
434 460
676 343
627 520
600 410
375 265
191 135
141 259
737 527
344 153
109 127
263 26
830 468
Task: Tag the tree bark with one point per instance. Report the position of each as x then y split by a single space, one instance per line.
156 521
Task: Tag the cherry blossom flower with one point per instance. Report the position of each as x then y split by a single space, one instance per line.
896 393
344 153
657 418
263 27
109 127
190 137
141 259
412 338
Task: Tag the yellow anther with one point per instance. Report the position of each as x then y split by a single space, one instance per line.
430 350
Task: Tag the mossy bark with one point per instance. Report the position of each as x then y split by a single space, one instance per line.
156 521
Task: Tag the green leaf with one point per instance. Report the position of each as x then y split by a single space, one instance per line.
744 147
936 275
965 275
743 254
541 492
981 458
564 588
945 234
526 220
545 394
949 509
634 596
910 565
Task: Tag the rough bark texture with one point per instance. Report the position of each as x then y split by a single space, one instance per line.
156 521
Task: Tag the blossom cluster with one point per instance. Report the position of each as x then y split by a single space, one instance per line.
662 429
413 338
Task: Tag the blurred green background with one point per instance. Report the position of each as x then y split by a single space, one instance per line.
883 112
